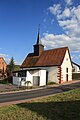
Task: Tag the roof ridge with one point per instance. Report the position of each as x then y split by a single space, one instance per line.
55 49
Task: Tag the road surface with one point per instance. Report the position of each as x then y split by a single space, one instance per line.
9 97
26 95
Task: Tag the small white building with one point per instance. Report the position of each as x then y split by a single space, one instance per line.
35 77
43 66
76 67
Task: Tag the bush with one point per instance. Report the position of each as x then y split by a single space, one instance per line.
6 80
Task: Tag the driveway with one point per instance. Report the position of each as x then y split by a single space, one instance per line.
18 97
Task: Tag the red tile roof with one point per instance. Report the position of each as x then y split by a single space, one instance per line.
52 57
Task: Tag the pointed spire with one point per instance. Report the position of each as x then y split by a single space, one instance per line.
38 38
38 47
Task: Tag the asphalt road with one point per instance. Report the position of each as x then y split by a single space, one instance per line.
9 97
26 95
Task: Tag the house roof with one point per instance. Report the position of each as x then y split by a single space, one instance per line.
1 58
52 57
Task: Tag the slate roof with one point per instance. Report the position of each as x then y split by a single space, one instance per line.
53 57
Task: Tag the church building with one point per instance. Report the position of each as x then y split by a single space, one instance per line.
44 66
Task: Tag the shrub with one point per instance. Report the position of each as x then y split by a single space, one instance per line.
6 80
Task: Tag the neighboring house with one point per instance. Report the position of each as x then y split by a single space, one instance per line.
3 67
76 68
43 66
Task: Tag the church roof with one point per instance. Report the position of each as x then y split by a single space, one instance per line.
52 57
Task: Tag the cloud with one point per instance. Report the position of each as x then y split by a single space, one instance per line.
55 41
55 9
75 12
68 2
17 63
65 14
52 21
3 55
69 20
7 59
72 23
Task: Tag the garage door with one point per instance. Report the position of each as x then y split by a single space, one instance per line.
36 80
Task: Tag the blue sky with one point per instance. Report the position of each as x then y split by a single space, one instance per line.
59 26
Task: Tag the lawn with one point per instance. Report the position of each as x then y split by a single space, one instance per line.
64 106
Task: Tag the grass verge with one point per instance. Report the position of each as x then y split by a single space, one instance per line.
64 106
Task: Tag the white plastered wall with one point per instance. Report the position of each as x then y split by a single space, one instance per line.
17 81
66 64
52 74
41 74
29 77
42 77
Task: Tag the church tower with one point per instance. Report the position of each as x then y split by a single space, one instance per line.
38 47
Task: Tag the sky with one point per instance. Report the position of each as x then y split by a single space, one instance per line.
59 27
